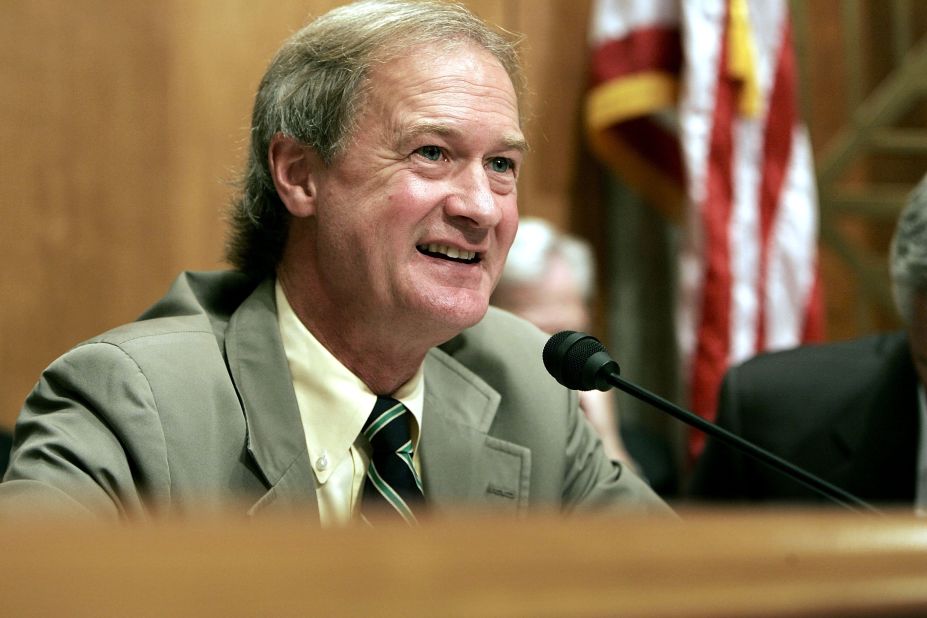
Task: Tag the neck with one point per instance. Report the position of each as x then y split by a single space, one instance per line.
382 369
382 356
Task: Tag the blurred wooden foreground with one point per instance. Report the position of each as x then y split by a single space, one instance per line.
709 564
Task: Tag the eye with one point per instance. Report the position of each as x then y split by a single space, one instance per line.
432 153
501 165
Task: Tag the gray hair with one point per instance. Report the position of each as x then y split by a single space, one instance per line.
315 88
535 243
909 252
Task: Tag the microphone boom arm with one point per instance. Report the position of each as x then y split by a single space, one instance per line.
817 484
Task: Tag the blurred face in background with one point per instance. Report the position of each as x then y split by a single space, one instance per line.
554 303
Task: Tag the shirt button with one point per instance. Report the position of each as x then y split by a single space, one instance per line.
321 463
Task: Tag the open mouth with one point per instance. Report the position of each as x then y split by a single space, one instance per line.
452 254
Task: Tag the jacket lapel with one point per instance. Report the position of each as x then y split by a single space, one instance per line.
262 377
461 463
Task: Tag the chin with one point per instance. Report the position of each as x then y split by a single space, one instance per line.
457 314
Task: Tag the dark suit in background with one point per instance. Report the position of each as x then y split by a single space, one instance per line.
846 412
6 443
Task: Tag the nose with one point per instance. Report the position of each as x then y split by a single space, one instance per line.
472 198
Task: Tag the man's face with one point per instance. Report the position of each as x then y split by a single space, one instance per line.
415 217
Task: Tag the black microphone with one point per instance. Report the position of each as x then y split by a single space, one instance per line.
580 362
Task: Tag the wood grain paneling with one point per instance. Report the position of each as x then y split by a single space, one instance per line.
82 176
122 127
555 65
719 564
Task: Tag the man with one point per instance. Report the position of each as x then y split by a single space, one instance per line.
850 412
378 205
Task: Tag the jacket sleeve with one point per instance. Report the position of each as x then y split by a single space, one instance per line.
87 440
593 481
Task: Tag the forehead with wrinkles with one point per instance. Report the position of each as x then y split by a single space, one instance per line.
451 80
416 66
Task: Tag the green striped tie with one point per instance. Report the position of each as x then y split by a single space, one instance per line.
393 487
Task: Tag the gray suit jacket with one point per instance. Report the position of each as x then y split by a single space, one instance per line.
192 408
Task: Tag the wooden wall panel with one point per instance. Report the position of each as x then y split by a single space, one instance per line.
82 155
216 62
122 126
555 56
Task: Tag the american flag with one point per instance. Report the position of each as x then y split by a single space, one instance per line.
694 104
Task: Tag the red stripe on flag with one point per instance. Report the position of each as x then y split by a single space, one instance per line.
777 150
644 50
713 332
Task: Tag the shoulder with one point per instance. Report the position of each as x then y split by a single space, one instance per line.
830 376
181 332
504 352
196 302
499 328
500 348
842 357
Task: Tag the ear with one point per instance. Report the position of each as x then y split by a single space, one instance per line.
294 167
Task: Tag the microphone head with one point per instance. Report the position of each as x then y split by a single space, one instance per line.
578 361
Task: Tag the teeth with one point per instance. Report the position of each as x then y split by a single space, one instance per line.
451 252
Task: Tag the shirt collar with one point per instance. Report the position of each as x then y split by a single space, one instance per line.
333 402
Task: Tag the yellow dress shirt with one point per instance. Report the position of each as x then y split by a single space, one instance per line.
333 406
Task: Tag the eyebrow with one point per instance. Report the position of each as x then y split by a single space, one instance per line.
514 142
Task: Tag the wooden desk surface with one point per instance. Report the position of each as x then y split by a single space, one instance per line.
715 564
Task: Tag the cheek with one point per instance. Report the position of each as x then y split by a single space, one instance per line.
508 225
413 195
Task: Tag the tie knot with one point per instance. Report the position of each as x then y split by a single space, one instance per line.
387 427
